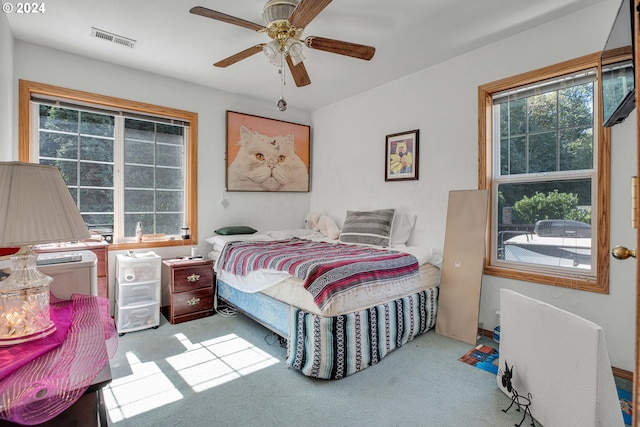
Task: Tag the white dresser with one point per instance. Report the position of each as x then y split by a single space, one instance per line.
76 277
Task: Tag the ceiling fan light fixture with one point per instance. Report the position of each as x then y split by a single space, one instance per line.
272 49
297 59
278 10
285 22
294 50
277 60
274 52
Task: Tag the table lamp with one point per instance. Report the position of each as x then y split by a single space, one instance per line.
35 207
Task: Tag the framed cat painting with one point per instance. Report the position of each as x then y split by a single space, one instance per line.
401 156
266 154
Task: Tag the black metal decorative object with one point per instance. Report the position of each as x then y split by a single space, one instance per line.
521 402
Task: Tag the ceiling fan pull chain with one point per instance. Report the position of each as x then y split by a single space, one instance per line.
281 103
282 73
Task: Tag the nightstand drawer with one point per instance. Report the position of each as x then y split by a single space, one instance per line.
192 301
192 277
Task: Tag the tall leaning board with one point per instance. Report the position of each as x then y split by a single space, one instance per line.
462 265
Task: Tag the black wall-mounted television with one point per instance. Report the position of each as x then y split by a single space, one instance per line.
618 85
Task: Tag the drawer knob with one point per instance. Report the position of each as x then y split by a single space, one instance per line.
193 301
193 278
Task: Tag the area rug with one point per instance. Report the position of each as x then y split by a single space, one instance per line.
625 404
483 357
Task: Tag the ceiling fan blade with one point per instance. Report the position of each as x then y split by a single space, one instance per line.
299 73
306 11
340 47
239 56
219 16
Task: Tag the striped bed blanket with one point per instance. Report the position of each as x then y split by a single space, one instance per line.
334 347
327 269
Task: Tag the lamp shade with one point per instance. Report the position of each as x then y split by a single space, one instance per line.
36 206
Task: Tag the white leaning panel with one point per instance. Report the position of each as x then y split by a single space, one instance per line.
561 359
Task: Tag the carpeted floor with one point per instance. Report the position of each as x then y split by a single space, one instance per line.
230 372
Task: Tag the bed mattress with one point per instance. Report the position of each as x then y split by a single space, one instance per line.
292 292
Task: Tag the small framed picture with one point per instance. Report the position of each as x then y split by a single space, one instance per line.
266 154
401 156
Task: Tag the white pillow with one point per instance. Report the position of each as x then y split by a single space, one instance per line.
402 228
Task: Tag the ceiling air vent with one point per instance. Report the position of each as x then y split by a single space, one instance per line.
114 38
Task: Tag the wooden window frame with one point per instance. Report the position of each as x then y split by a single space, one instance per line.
28 89
599 283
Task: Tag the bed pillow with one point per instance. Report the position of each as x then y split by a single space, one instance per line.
368 227
237 229
403 225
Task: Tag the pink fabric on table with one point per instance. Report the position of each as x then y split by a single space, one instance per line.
11 358
44 387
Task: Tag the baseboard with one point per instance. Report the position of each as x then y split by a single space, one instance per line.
486 333
617 372
622 373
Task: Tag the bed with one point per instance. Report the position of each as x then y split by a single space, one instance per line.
342 307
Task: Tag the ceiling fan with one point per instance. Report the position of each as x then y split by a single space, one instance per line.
285 21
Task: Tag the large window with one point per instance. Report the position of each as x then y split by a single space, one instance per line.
124 162
544 158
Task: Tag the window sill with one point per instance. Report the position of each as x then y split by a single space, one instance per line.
571 281
149 244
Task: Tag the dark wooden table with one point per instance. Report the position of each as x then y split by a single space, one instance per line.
89 409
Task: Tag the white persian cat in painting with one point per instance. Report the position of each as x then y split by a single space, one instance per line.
267 163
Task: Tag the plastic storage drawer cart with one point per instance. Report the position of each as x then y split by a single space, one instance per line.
137 292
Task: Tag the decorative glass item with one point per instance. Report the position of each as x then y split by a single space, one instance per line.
24 301
185 232
139 232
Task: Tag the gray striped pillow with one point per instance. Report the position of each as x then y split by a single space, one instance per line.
368 227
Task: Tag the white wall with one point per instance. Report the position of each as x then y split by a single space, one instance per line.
348 159
6 89
348 148
54 67
259 210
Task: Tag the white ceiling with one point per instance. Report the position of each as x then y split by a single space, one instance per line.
409 35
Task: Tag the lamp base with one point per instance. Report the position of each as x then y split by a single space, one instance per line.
24 301
7 342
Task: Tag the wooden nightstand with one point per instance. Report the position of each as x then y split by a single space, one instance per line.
190 286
